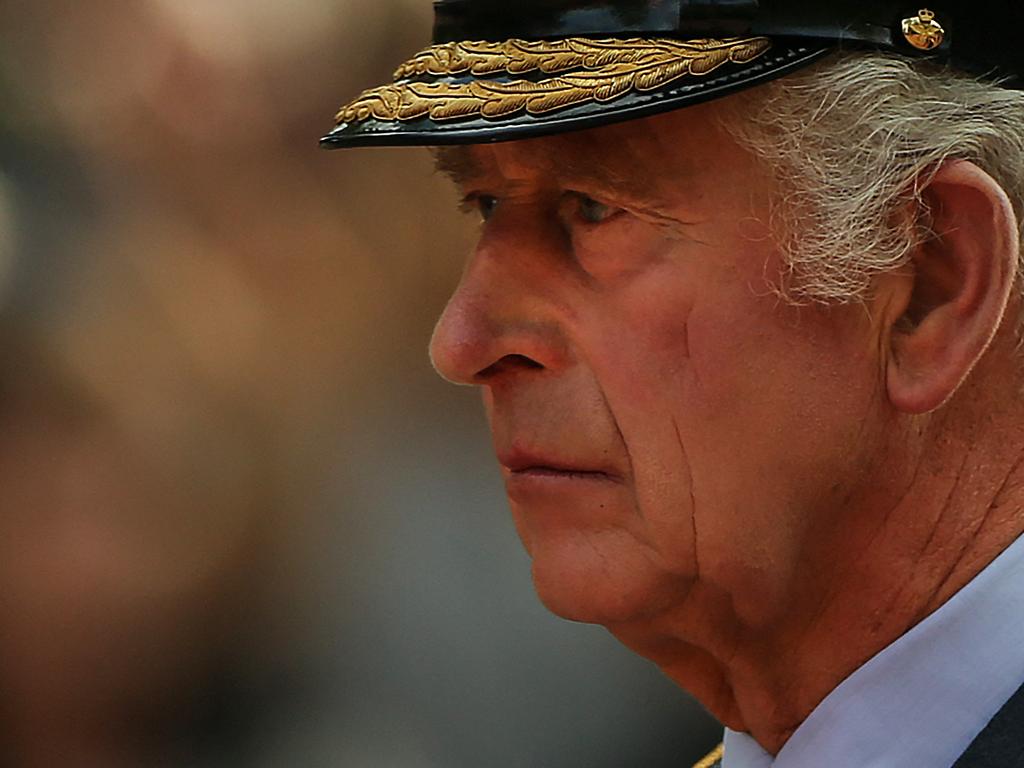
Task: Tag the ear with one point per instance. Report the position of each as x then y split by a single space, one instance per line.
961 282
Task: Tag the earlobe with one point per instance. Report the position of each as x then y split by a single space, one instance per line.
962 278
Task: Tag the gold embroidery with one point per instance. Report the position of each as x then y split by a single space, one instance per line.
604 70
712 759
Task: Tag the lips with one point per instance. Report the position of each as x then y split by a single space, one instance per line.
539 465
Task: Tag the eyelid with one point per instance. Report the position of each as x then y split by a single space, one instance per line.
472 203
595 197
579 197
468 203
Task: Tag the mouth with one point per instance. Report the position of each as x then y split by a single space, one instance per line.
555 482
542 470
533 467
529 484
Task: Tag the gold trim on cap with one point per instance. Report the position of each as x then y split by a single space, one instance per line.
713 758
587 71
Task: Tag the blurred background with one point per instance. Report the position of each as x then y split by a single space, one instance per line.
241 521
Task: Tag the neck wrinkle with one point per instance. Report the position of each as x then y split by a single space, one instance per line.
962 508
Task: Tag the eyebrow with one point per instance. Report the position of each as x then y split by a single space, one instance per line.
566 161
457 163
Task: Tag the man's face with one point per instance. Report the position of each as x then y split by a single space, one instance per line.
670 431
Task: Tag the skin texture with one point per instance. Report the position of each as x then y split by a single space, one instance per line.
756 496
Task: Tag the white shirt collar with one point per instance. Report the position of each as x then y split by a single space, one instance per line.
922 700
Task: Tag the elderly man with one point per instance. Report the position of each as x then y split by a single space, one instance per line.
751 355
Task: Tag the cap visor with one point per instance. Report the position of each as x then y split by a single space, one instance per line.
482 92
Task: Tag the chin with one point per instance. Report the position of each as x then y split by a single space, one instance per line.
583 582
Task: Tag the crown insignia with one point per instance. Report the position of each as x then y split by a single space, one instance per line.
923 31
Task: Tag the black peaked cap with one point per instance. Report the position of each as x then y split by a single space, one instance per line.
511 69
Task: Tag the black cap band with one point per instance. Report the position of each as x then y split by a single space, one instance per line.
979 34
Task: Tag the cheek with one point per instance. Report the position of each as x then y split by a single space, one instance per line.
646 375
777 381
775 413
737 413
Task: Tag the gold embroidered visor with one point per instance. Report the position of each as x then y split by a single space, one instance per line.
471 92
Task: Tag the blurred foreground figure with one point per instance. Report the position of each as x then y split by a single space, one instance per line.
751 355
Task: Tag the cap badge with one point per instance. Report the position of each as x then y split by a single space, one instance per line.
923 31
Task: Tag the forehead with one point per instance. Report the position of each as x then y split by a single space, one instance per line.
641 154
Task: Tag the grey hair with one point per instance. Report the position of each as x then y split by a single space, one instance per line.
851 142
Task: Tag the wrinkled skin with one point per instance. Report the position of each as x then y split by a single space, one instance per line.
690 460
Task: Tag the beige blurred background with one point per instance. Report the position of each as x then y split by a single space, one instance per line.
241 521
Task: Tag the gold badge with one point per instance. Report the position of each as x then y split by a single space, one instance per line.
923 31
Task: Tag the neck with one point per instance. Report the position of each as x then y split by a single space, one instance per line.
907 542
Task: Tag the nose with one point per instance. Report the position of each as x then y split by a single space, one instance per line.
503 318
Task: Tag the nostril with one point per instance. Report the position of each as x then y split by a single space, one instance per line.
507 364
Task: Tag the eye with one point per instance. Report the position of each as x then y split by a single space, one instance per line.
483 205
591 211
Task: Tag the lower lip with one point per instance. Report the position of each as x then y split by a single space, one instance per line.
541 480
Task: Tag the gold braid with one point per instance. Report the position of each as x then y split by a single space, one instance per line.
586 71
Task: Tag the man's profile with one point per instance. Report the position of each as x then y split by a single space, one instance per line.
746 314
